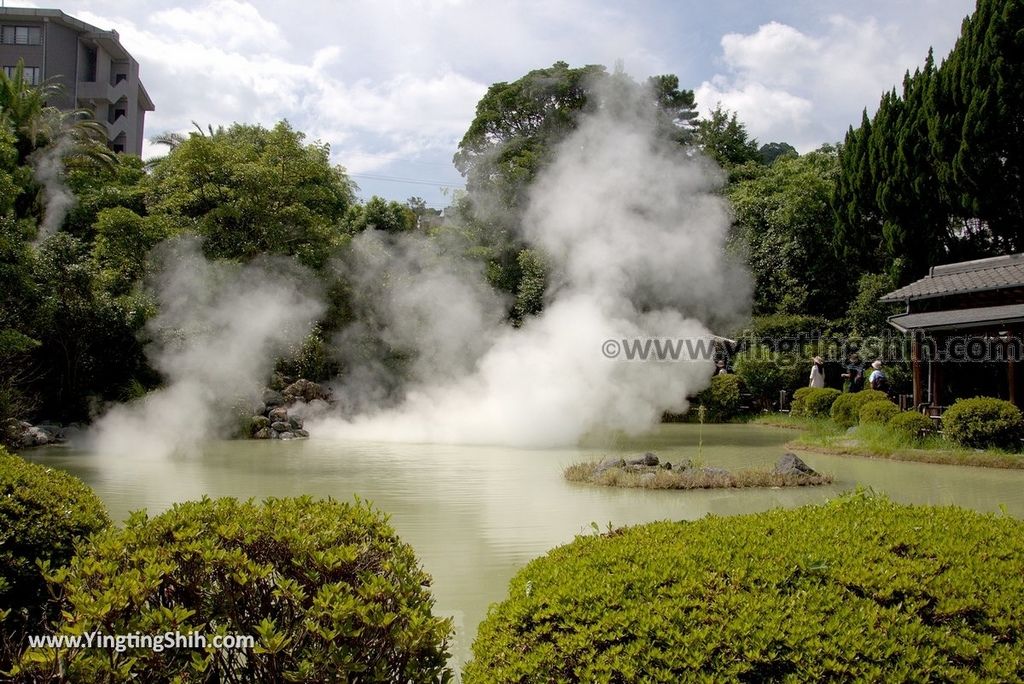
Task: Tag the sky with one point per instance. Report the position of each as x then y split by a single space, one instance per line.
392 85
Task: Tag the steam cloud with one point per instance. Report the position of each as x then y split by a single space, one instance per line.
48 169
635 235
219 329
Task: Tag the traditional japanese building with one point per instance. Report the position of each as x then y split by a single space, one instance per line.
966 321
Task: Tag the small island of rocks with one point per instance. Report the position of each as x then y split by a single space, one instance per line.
650 472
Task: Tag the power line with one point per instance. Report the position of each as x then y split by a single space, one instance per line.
415 181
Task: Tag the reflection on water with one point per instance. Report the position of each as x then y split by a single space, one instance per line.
475 515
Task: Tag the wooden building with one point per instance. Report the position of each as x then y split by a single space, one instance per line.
966 321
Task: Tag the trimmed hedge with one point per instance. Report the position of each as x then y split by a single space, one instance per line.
846 408
910 424
815 402
858 589
877 412
327 588
721 398
984 422
43 513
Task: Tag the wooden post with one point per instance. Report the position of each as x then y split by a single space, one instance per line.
915 360
1011 368
936 383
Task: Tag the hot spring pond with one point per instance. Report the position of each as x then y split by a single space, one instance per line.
475 515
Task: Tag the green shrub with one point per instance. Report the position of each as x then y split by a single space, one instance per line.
846 408
877 412
857 589
984 422
327 589
765 373
721 398
43 512
814 402
910 424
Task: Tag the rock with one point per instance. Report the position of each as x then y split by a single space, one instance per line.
684 466
295 422
302 433
274 434
287 435
54 430
648 459
272 398
304 390
609 463
278 415
258 423
666 465
33 436
790 464
262 433
280 426
259 409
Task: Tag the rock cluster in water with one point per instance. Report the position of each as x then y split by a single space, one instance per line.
271 417
23 434
648 464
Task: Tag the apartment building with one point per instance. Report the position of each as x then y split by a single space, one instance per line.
97 73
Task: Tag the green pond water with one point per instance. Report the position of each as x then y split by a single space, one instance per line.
475 515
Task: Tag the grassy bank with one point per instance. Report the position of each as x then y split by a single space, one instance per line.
876 441
694 478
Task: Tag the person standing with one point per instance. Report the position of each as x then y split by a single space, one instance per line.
854 374
818 372
877 379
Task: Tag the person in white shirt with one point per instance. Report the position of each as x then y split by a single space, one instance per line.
818 372
877 379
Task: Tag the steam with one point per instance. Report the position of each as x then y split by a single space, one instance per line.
219 329
48 169
635 232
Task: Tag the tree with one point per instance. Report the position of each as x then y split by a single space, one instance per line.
249 190
518 124
380 214
724 138
770 152
783 219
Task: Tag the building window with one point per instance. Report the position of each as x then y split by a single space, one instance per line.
32 75
21 35
119 78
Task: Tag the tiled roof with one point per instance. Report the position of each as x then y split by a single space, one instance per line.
959 318
967 276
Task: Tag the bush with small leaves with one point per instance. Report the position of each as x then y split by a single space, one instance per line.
857 589
43 513
814 402
910 424
845 409
721 398
327 589
984 422
877 412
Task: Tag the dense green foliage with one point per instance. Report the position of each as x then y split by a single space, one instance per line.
877 412
846 408
910 424
43 513
934 175
249 190
721 399
984 422
327 589
858 589
814 402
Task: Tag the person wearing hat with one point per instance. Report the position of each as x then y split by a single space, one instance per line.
877 379
818 372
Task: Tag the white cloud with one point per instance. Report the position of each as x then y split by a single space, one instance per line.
229 23
806 89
